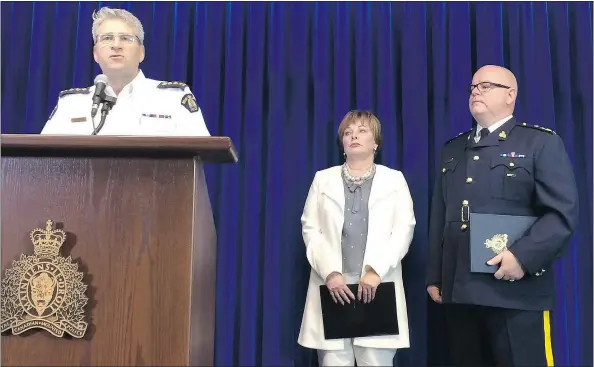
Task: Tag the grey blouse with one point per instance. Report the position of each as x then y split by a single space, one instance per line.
354 230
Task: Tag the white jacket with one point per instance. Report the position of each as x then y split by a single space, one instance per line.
391 226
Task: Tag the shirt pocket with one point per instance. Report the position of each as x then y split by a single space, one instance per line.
512 178
449 165
157 123
448 171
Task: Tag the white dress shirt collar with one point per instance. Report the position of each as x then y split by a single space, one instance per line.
135 83
493 127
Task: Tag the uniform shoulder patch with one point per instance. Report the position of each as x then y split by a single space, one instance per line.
75 91
189 102
165 85
457 136
540 128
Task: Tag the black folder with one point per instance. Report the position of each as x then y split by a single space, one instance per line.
491 232
358 319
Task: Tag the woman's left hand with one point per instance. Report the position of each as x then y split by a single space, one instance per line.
367 286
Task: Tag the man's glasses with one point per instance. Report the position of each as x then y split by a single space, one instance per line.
486 86
110 38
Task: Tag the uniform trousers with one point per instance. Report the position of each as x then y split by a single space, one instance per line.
489 336
350 354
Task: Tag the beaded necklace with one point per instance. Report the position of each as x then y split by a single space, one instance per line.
359 179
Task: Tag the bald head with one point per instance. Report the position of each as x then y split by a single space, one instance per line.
494 96
495 72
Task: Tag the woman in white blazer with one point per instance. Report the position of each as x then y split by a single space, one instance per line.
358 223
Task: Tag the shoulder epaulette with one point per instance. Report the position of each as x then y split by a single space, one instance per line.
75 91
179 85
457 136
540 128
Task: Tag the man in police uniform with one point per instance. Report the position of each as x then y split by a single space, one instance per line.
503 166
144 106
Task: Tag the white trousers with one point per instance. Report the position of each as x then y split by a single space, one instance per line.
362 355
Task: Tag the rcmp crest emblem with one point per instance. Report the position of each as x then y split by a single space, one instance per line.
44 290
497 243
189 102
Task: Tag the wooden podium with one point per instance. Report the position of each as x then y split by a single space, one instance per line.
138 223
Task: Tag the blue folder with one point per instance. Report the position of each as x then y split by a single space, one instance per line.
492 233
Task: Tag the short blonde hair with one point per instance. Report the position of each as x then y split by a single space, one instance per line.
363 117
125 16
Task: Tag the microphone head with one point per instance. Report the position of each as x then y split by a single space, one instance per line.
101 78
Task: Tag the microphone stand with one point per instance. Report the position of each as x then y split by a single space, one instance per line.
108 103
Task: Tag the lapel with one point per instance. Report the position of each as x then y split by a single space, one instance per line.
380 187
334 187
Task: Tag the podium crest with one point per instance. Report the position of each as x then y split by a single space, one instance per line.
44 290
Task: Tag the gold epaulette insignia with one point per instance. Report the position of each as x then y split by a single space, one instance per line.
541 128
44 290
457 136
179 85
75 91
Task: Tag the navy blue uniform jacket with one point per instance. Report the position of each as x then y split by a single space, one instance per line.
516 170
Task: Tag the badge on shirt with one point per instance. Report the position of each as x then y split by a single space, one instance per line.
189 102
156 115
78 119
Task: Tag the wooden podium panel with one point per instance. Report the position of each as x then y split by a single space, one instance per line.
141 230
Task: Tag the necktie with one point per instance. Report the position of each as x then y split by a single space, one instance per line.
483 133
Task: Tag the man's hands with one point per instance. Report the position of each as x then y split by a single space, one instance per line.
367 286
435 293
510 269
338 289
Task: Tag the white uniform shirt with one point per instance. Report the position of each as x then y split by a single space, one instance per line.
144 107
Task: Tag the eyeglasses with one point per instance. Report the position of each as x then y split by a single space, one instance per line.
109 38
486 86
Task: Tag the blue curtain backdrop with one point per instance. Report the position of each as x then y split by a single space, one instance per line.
278 77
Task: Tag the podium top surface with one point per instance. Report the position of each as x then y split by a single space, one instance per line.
209 149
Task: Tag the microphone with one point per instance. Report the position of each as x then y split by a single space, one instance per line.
99 95
109 100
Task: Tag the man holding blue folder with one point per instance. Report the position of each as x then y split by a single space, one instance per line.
504 208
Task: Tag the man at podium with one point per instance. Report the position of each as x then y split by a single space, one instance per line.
122 100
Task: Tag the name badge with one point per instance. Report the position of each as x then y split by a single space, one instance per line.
156 116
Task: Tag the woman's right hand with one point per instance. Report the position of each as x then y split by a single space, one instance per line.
338 289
